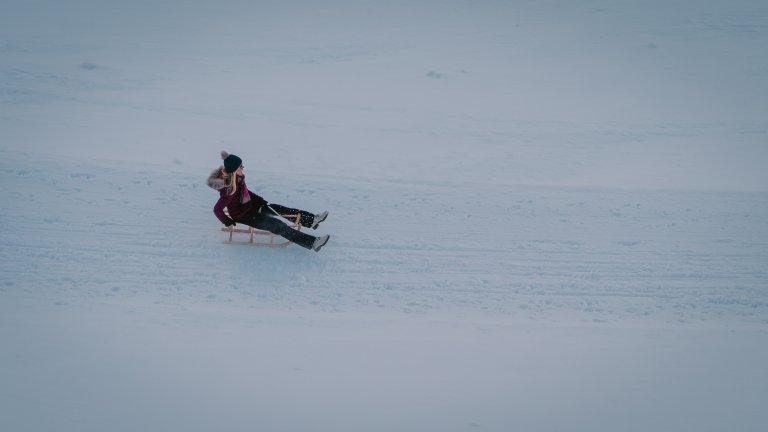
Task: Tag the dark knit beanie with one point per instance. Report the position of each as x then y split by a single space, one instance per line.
231 162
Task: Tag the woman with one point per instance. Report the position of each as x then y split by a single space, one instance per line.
246 207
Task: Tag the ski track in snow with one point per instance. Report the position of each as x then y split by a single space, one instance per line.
89 232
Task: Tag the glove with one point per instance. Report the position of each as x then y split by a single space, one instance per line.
230 223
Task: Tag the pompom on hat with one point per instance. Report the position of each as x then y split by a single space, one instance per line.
231 162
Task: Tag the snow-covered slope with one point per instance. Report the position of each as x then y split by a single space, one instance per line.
660 94
125 232
436 307
545 215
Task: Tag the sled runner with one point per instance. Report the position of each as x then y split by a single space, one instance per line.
259 237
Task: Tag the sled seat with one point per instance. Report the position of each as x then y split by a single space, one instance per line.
259 237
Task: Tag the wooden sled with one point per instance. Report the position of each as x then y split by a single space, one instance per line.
259 237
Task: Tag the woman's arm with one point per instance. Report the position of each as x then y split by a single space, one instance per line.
221 204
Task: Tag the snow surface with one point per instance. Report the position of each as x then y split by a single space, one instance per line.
545 216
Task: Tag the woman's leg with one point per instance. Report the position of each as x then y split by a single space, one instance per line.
277 226
305 218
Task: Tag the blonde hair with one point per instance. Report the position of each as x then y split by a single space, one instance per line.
230 179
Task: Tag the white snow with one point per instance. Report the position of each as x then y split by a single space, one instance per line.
545 216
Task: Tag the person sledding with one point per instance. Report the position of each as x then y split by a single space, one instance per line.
246 207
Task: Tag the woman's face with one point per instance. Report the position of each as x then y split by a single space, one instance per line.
239 170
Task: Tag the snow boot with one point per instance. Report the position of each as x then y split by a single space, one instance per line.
320 242
319 218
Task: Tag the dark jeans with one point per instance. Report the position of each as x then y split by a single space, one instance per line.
265 219
305 218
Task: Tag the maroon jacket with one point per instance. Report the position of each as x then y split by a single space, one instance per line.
234 204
